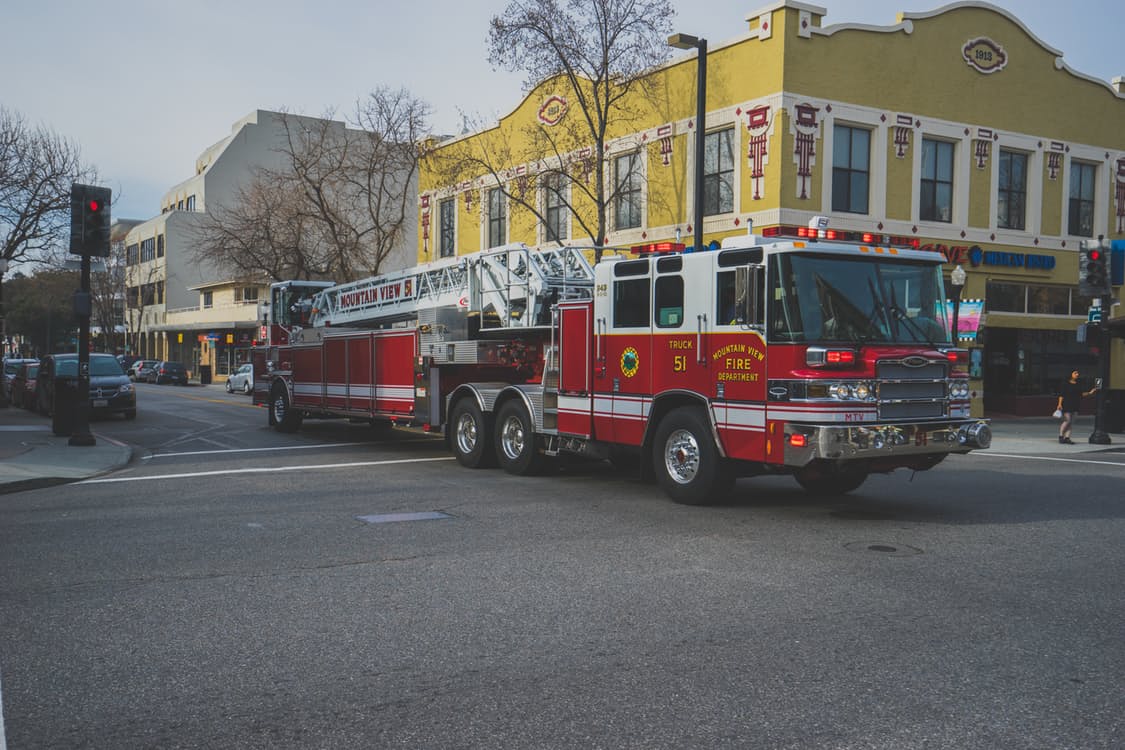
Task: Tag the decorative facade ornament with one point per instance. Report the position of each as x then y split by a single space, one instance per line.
982 147
585 158
903 125
1054 160
664 134
425 224
984 55
552 110
759 123
805 127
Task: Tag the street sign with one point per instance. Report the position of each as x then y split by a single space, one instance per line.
1094 315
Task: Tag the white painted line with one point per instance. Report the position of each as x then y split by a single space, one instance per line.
264 470
3 742
255 450
1120 465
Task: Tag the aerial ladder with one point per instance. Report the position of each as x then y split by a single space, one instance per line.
508 287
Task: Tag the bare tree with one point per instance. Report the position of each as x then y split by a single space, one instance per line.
340 204
604 50
37 167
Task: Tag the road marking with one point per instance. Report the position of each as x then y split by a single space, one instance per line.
1050 458
264 470
253 450
3 742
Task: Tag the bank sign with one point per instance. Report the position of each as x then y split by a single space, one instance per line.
976 256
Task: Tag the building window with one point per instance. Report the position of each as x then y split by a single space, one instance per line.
1081 215
718 172
208 299
851 149
447 215
1012 193
190 204
159 246
936 195
148 249
246 294
554 207
132 296
160 292
131 255
497 219
627 191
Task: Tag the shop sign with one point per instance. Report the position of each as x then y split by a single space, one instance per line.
975 256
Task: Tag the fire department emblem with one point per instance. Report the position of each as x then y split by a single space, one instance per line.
630 362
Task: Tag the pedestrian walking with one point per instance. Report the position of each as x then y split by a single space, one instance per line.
1070 399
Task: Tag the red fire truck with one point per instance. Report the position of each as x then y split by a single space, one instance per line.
806 352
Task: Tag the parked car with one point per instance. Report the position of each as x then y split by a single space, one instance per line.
241 379
23 385
110 389
11 367
126 361
168 372
138 371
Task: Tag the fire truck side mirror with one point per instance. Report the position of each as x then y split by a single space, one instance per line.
748 294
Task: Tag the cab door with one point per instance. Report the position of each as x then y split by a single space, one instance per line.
624 355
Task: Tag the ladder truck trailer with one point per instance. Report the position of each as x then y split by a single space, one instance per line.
820 354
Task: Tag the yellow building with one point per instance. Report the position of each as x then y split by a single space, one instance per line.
958 128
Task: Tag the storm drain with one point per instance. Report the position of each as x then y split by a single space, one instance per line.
432 515
883 548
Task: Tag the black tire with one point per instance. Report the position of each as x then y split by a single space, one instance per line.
515 440
283 416
470 435
229 388
246 388
830 480
686 460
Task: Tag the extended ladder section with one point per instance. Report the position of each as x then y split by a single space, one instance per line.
508 287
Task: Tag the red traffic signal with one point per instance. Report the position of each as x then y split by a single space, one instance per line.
94 205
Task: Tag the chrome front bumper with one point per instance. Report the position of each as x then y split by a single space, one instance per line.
848 442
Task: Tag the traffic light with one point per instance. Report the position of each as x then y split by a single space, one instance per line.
1093 269
89 220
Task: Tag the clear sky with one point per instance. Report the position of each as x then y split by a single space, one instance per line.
145 86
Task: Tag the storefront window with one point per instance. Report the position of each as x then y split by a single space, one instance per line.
1048 300
1003 297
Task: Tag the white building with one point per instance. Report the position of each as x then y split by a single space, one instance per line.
182 310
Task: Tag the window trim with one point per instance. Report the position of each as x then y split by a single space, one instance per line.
1000 188
556 216
497 218
1078 164
636 171
716 177
451 204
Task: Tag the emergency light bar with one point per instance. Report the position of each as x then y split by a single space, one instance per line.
658 248
841 235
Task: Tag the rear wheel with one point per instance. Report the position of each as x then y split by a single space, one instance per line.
515 441
686 460
283 416
470 435
246 388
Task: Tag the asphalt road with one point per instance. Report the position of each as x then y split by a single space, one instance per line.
236 587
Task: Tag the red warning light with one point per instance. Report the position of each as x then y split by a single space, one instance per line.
1095 255
94 205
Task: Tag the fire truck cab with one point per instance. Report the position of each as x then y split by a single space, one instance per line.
828 358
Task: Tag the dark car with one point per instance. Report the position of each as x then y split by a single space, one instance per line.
168 372
11 367
110 389
23 385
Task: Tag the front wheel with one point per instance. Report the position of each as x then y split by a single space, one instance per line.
229 388
686 460
828 480
283 416
515 441
470 435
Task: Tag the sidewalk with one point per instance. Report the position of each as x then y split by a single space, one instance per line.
32 457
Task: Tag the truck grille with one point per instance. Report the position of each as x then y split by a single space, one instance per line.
912 388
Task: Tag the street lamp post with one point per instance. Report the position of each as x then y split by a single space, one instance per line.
687 41
957 284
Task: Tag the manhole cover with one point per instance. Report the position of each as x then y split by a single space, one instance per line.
890 549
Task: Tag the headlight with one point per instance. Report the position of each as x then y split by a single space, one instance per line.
126 388
842 391
862 391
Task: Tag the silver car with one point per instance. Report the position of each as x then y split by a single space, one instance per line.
241 379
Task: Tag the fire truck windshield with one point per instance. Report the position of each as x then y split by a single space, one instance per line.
835 298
